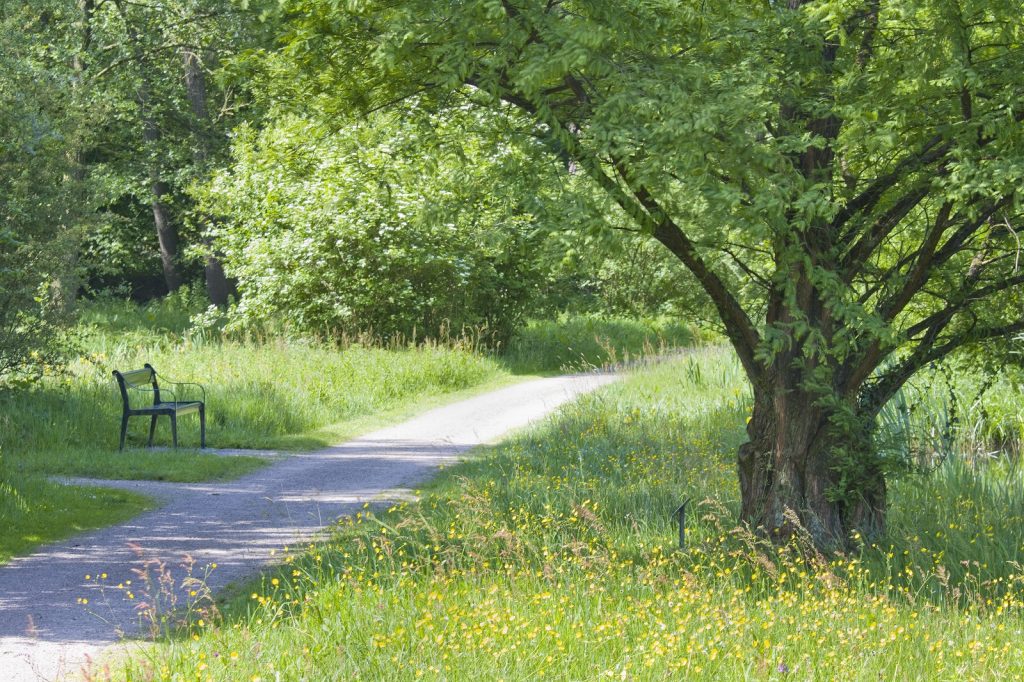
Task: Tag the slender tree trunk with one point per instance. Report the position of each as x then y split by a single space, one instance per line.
166 229
217 285
66 285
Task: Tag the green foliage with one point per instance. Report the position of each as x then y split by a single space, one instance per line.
400 225
95 107
955 411
37 199
31 321
389 226
842 179
637 277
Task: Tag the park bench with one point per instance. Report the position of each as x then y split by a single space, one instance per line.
143 382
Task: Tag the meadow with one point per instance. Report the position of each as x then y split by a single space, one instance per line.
268 391
554 556
282 394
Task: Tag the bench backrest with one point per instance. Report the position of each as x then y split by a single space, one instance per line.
135 379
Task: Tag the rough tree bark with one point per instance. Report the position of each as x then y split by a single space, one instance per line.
791 470
789 475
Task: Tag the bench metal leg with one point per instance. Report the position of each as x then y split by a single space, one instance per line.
152 429
202 426
124 429
174 430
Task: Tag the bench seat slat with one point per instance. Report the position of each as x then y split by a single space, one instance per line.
168 408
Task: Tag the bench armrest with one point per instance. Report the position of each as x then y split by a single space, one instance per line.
188 383
150 391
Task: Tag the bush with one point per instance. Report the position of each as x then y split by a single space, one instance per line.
31 331
352 231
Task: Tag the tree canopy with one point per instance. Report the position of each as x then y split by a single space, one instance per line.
842 178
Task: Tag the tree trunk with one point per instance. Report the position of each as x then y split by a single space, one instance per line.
65 287
793 477
166 230
217 286
166 234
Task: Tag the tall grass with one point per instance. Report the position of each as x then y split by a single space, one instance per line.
582 342
946 412
553 557
271 393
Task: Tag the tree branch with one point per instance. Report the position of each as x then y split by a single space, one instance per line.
873 193
858 253
740 329
891 381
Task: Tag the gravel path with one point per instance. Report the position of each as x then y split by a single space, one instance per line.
46 633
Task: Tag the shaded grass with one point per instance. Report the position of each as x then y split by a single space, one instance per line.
552 556
45 512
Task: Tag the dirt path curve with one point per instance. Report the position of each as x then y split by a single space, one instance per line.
45 633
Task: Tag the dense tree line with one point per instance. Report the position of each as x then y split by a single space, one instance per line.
108 118
148 145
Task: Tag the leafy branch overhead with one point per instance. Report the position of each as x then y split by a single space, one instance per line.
842 179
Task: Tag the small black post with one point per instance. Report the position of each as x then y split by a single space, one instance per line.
680 515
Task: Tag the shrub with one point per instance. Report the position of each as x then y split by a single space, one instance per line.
351 231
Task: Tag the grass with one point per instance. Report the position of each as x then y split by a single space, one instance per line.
956 408
285 394
280 395
553 557
587 341
41 511
264 393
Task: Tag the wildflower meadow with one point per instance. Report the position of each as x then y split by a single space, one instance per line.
555 556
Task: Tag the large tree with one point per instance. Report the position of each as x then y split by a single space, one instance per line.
842 178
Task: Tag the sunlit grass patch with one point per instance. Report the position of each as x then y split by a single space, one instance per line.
581 342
